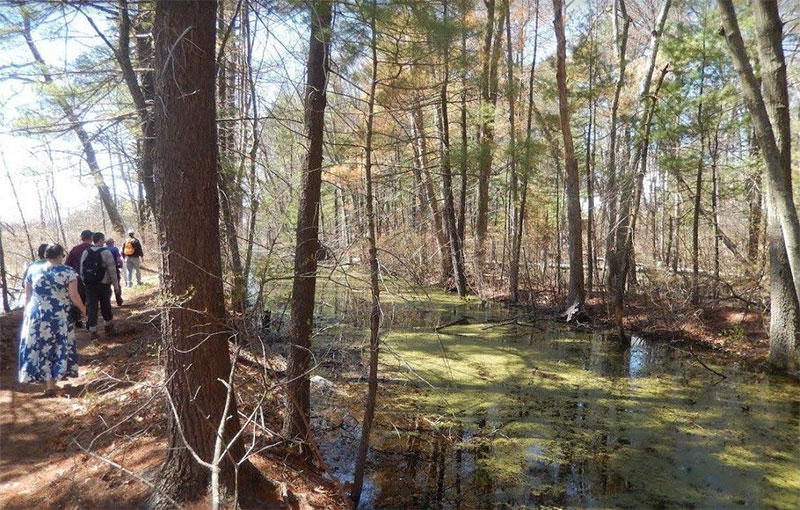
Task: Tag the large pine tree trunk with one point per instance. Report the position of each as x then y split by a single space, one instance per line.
576 295
196 354
784 328
305 262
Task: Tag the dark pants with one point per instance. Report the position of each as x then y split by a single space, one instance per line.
74 312
99 293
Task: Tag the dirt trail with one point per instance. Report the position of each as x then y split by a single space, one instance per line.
41 460
114 409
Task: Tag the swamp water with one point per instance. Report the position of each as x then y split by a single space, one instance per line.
487 413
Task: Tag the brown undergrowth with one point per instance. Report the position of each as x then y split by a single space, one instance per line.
103 445
739 331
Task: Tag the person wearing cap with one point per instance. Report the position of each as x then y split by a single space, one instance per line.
74 261
132 251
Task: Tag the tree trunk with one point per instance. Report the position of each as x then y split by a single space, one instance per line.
694 296
715 212
754 199
779 181
21 214
632 186
515 206
421 153
575 296
375 312
443 123
489 83
297 424
784 330
462 196
77 126
3 279
589 172
142 94
611 186
195 351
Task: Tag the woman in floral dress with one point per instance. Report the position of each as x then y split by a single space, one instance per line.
47 349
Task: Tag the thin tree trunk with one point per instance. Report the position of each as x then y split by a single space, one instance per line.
514 208
589 172
633 183
421 152
375 313
694 296
447 185
715 212
77 126
462 197
21 214
576 294
297 424
3 278
611 193
489 83
754 200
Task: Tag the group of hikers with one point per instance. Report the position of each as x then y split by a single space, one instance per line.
61 289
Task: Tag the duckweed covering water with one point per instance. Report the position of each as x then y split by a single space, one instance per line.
531 415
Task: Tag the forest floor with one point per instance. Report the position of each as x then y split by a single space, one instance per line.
58 452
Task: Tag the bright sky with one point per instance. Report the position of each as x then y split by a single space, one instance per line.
27 158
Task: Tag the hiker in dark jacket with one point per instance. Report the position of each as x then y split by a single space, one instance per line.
74 261
99 273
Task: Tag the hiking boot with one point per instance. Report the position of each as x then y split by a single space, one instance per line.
93 335
108 329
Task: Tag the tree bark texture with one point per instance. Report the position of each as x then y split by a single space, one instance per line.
196 357
490 55
421 153
784 328
307 234
576 293
781 198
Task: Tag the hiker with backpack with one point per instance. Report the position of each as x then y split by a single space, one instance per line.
119 263
132 251
98 271
74 261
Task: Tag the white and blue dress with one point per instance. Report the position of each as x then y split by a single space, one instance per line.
47 348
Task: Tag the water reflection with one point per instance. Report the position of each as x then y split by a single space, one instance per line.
537 416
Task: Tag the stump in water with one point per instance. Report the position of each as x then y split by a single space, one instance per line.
575 314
